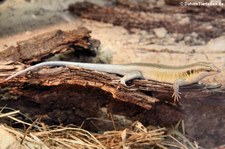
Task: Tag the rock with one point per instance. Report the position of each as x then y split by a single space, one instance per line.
160 3
160 32
194 34
184 20
216 44
170 40
8 140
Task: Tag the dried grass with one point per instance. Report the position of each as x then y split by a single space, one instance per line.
39 135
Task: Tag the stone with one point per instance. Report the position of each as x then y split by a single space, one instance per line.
160 32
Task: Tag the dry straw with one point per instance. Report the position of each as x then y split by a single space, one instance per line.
40 136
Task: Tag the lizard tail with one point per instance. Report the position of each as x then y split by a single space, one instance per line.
99 67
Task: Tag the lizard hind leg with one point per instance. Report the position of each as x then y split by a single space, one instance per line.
130 76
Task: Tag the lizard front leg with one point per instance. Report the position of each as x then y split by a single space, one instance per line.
176 93
130 76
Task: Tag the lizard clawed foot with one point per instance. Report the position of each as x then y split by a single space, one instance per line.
176 96
122 82
119 83
116 82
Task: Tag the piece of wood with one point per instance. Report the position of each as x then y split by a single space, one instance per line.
45 45
147 16
143 93
71 89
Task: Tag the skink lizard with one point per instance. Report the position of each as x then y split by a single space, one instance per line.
176 75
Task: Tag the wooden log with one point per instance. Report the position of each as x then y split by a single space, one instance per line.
69 87
61 90
146 16
45 45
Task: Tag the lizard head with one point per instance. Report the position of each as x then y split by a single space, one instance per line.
205 69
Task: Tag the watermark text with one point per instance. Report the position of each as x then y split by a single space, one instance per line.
208 4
